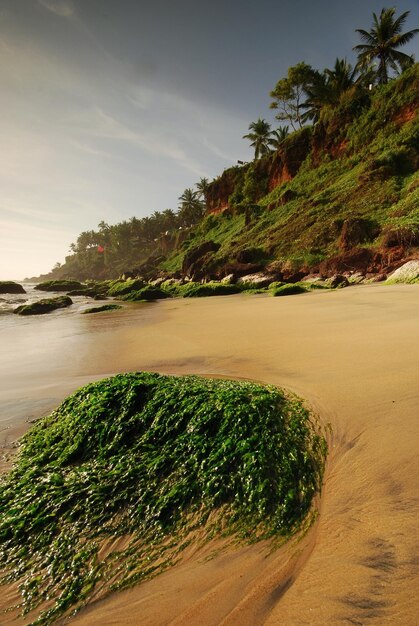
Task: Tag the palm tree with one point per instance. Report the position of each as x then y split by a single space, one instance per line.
202 187
382 41
340 79
259 137
191 207
278 136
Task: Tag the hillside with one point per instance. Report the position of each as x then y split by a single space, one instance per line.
341 195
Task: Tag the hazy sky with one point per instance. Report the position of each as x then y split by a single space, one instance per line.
111 108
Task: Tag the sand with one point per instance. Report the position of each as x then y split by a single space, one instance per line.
354 355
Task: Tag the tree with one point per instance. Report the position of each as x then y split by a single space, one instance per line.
259 137
191 207
278 137
202 187
382 41
327 88
289 93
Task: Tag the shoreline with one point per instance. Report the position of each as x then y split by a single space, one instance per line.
352 355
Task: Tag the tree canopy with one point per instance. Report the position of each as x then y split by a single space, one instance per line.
382 43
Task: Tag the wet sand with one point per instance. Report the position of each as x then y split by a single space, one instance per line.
354 355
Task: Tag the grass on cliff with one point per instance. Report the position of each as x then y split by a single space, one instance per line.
155 459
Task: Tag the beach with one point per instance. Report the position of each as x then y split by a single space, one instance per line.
353 354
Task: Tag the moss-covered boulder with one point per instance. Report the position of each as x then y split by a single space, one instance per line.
161 460
122 287
196 290
288 290
44 306
9 286
60 285
147 293
104 307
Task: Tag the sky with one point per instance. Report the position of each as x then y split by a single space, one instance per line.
109 109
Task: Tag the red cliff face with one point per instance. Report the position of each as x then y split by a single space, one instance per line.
278 168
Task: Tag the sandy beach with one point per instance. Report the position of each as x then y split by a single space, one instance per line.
353 354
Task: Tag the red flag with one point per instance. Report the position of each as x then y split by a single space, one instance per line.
100 249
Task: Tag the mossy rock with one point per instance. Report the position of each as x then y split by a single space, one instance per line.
44 306
196 290
288 290
120 288
60 285
9 286
157 458
100 309
146 294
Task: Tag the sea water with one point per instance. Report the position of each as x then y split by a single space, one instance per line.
43 358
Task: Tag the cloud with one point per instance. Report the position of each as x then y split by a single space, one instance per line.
63 8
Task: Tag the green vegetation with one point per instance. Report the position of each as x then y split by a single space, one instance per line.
357 162
260 137
382 41
121 287
289 290
44 306
104 307
195 290
59 285
146 293
153 459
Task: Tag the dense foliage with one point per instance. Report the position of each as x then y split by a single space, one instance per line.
153 458
357 159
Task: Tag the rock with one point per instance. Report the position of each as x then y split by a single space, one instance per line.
198 256
378 278
119 288
401 237
337 282
240 269
259 279
355 231
9 286
312 279
157 282
407 273
251 255
358 260
355 278
288 290
60 285
44 306
105 307
228 280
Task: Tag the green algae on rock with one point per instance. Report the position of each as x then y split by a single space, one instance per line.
59 285
153 458
44 306
104 307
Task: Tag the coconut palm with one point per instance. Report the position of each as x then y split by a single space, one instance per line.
259 137
202 187
278 136
341 78
191 207
382 41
